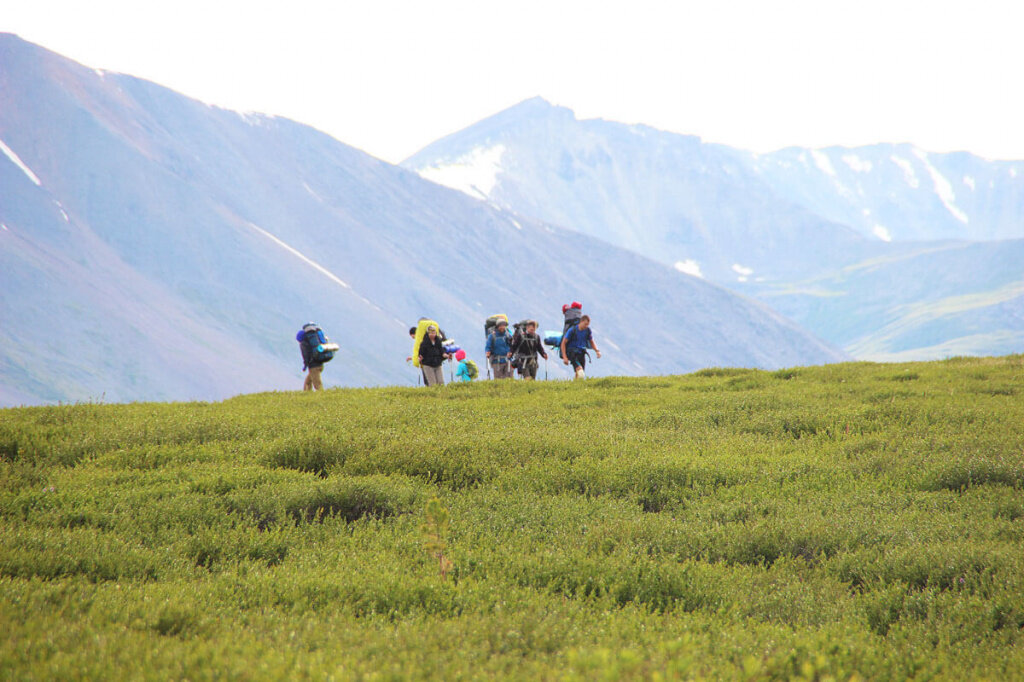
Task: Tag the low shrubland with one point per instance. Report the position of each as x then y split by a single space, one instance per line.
846 521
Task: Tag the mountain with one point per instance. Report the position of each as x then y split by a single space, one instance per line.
156 248
700 207
847 242
940 300
901 192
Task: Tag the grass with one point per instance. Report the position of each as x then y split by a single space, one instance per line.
847 521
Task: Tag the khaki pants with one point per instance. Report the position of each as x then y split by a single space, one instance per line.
433 376
529 371
501 370
313 382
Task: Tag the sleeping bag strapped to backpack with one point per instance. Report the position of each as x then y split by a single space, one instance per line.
552 338
321 349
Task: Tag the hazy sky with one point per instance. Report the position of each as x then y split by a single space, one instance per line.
390 77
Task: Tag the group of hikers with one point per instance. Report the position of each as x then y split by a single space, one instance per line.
506 352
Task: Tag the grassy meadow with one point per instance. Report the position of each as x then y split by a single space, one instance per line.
854 521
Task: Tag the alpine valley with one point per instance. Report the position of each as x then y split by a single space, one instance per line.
888 251
153 247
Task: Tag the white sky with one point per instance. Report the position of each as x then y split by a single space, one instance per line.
391 76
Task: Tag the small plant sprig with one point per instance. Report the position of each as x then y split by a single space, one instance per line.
435 528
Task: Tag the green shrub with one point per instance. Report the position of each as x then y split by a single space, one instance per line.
848 520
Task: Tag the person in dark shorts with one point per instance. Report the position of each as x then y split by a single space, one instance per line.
575 343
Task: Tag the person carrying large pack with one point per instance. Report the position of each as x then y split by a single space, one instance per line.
498 347
526 345
430 355
574 346
571 313
316 350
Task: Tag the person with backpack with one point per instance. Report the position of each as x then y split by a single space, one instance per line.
316 350
525 347
574 346
466 371
499 351
432 355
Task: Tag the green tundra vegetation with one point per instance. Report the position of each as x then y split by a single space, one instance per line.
852 521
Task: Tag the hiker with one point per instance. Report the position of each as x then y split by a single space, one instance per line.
412 335
574 346
525 347
432 356
499 352
466 371
316 349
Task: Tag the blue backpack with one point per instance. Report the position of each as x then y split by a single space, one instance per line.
321 348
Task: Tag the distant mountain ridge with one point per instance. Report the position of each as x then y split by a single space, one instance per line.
669 197
901 192
155 248
786 227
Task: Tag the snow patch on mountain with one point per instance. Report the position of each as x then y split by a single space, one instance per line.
312 193
743 272
301 256
882 232
823 163
64 214
907 167
689 267
943 187
858 164
255 118
969 181
16 160
475 173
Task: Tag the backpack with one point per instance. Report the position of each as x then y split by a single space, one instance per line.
526 347
491 323
321 349
471 369
440 332
571 312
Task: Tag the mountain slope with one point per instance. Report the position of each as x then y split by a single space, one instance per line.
901 192
938 301
170 250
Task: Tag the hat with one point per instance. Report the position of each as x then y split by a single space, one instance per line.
501 323
460 355
431 328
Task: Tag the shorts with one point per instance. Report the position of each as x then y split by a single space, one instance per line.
577 358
